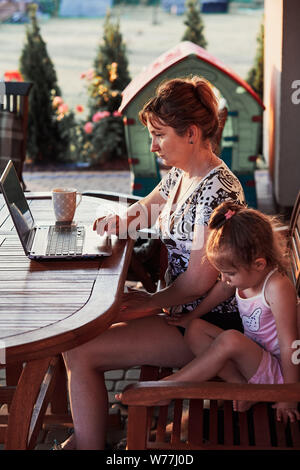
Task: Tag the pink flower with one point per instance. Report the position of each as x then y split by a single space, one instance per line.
117 114
57 100
88 127
90 74
100 115
63 108
79 108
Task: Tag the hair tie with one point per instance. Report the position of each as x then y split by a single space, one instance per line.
229 214
220 219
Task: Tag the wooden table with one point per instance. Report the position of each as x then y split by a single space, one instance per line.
48 307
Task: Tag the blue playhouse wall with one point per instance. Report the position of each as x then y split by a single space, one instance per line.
86 8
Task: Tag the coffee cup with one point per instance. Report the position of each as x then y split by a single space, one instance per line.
65 203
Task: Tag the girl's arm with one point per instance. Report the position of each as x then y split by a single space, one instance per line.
281 296
218 294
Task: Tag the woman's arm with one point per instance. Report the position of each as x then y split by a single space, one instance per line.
196 281
281 296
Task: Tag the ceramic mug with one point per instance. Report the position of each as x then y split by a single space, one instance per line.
65 203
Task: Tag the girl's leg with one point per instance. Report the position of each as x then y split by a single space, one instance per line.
229 346
199 336
147 340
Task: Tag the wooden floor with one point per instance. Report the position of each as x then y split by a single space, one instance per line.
54 433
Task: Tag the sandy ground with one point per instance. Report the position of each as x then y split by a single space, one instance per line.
72 43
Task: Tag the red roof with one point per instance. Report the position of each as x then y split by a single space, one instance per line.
173 56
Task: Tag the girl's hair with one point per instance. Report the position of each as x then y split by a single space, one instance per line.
181 102
239 235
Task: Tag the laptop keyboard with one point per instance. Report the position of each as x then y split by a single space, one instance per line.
64 241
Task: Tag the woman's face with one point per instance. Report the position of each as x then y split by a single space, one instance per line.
170 147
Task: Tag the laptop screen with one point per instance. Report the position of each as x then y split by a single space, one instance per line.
16 202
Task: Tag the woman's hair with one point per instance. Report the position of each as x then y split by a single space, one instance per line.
181 102
239 235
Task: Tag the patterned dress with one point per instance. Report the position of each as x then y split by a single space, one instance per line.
176 229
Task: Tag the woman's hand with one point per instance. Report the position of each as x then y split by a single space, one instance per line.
286 411
112 224
137 304
122 221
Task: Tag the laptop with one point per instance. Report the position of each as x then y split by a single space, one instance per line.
57 241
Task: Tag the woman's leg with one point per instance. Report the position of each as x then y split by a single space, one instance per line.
147 340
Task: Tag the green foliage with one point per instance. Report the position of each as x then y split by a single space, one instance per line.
106 137
194 24
54 133
111 68
255 76
46 141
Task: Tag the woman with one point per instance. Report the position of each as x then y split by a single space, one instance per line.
182 120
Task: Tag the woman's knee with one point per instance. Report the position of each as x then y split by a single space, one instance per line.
195 331
194 327
80 357
73 358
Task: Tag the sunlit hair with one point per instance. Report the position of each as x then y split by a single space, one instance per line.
239 235
182 102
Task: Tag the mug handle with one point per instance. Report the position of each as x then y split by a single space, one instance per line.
80 198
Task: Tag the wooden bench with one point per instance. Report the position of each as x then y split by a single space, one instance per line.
200 415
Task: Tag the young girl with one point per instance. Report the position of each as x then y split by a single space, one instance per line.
246 250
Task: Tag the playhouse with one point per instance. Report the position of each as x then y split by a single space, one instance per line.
241 134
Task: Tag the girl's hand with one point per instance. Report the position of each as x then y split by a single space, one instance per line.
287 411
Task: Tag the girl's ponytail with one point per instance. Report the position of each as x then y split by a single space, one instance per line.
223 213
